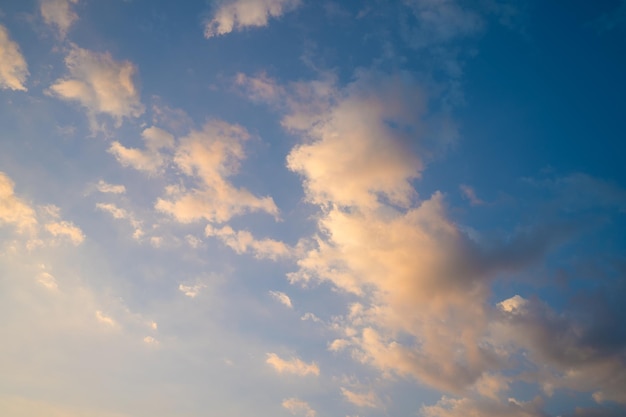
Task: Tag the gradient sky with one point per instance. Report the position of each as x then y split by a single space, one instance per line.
312 208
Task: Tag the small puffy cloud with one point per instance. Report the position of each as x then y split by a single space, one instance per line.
14 210
360 399
513 305
236 15
191 290
210 156
149 340
310 316
150 159
281 297
66 229
58 13
242 241
104 319
292 366
105 187
13 67
100 84
298 407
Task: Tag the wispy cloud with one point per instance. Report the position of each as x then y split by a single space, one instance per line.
13 67
282 298
150 160
105 187
242 241
236 15
58 13
292 365
298 407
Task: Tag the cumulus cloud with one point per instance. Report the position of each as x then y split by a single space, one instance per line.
298 407
282 298
243 241
292 366
210 156
105 187
13 67
66 229
14 210
236 15
100 84
151 159
58 13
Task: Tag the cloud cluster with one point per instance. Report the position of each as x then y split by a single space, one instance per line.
13 67
209 157
236 15
100 84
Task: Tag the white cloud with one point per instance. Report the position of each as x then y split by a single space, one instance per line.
67 229
100 84
14 210
211 156
13 67
292 366
298 407
150 160
58 13
235 15
105 187
282 298
149 340
242 241
310 316
191 290
513 305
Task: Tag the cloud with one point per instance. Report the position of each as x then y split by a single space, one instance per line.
67 229
100 84
367 399
450 407
13 67
150 160
104 319
236 15
47 280
14 210
105 187
210 156
242 241
191 291
298 407
59 14
470 194
361 147
581 350
282 298
113 210
292 366
436 22
149 340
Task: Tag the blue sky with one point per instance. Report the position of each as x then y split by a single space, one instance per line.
312 208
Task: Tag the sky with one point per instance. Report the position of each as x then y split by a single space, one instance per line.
312 208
